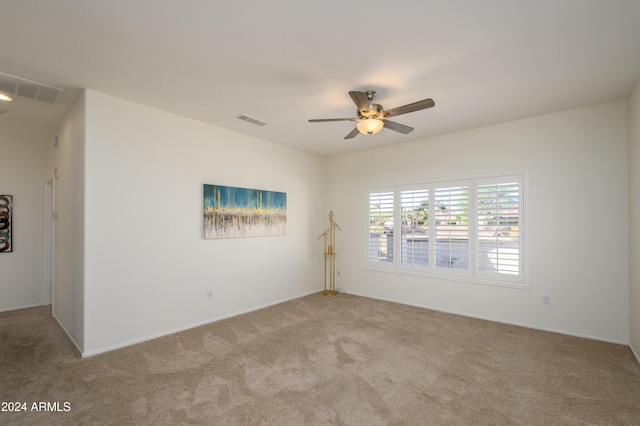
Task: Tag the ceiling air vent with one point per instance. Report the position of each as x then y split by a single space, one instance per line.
17 86
250 120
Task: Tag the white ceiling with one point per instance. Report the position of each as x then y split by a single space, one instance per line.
286 61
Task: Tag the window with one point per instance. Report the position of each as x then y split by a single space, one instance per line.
451 214
381 226
468 228
498 242
414 242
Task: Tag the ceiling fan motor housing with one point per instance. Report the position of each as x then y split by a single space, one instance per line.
373 112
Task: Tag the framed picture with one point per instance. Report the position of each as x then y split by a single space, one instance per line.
231 212
6 213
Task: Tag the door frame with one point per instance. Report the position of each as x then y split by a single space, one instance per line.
49 252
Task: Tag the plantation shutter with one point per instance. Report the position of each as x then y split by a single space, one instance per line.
451 215
381 211
414 240
499 242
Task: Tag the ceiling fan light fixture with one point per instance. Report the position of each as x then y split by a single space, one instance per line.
370 126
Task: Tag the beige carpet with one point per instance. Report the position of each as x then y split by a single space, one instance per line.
319 360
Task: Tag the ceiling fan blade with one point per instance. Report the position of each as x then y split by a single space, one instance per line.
392 125
352 134
361 101
322 120
416 106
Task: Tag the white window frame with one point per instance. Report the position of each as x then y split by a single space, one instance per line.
434 267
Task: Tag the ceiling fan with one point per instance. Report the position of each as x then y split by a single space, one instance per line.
372 117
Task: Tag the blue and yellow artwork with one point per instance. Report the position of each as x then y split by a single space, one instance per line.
231 212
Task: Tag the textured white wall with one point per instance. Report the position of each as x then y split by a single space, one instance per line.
148 267
22 175
578 219
634 222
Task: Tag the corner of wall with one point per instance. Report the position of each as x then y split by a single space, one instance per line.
634 226
68 159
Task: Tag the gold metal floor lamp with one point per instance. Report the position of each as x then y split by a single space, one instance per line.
330 256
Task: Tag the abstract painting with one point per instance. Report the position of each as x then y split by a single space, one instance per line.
6 211
231 212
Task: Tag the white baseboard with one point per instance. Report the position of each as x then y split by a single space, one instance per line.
464 314
68 335
22 307
190 326
635 353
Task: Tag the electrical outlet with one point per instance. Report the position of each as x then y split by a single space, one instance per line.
546 300
209 294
